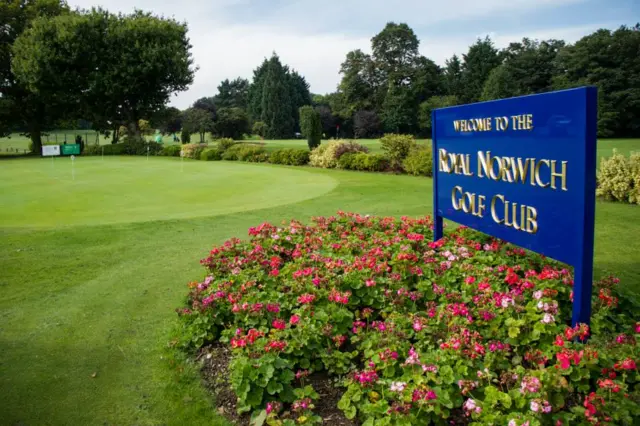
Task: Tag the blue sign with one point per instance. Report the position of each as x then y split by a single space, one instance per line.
523 170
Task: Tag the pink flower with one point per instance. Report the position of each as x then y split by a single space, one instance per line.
279 324
294 319
470 280
535 407
537 295
306 298
547 319
637 327
530 384
417 325
370 283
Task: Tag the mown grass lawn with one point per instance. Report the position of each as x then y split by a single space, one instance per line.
94 263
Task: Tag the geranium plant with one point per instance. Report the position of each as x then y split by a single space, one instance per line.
466 330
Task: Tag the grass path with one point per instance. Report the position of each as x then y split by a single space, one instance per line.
85 299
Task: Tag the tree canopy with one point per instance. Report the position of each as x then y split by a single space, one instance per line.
107 68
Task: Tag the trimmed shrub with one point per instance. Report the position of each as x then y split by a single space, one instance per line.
193 150
252 153
634 196
171 151
397 147
230 155
111 149
290 157
375 162
419 162
364 162
138 146
317 157
346 162
211 154
615 178
225 143
328 156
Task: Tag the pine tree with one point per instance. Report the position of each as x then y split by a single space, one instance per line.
276 101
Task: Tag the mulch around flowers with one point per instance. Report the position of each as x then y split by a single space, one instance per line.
215 373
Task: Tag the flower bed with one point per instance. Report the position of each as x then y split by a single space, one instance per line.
467 330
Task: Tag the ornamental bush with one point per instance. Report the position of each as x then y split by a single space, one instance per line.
138 146
464 331
327 155
397 147
225 143
419 162
211 154
193 150
171 151
619 178
290 157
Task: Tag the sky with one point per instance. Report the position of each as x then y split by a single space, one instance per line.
230 38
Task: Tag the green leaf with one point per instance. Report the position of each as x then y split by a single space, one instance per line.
446 374
259 419
514 332
350 412
274 387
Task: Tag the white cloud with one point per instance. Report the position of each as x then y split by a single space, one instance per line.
231 37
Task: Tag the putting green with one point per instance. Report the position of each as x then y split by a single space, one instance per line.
52 193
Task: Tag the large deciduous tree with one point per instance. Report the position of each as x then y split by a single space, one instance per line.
21 109
609 60
196 120
231 123
114 69
528 67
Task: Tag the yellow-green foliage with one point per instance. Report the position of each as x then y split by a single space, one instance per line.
619 178
634 159
327 155
193 150
397 147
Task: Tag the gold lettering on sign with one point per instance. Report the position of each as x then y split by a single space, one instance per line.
562 174
537 175
494 213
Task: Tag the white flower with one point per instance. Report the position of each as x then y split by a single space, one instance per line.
469 405
547 319
540 305
535 407
512 423
398 386
537 295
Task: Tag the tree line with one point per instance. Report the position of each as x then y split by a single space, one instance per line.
117 71
395 88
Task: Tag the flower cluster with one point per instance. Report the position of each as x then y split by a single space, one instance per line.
463 330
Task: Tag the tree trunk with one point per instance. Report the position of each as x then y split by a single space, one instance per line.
36 139
116 134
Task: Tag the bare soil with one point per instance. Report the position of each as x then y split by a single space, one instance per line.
215 373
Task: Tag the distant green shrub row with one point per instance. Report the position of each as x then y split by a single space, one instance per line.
401 154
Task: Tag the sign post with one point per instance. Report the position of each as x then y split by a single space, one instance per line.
523 170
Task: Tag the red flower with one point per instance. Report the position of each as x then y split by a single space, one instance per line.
294 319
279 324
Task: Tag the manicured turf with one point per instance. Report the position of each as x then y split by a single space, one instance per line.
90 278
